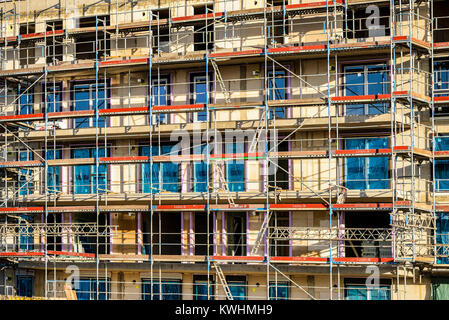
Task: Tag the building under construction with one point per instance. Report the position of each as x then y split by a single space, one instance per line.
228 149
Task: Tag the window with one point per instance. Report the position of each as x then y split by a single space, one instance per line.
161 33
441 22
54 97
200 286
54 240
365 80
359 23
277 90
366 172
85 176
26 176
442 237
441 78
199 93
278 290
54 47
202 234
25 100
25 286
160 91
200 170
203 35
166 234
280 179
87 242
371 246
26 237
280 26
54 172
87 289
164 290
356 289
85 43
279 248
358 292
237 286
236 232
442 166
235 176
159 176
84 97
27 48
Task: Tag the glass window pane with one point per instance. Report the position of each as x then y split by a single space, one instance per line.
278 291
238 290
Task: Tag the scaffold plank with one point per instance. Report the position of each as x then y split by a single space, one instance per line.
308 48
238 258
231 54
198 17
42 34
121 62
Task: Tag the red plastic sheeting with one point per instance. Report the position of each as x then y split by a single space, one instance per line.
297 49
313 4
124 61
238 258
363 97
41 34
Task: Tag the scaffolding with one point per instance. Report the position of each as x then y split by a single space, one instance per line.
42 122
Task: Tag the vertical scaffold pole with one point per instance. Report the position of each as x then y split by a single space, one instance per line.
150 121
97 207
329 146
208 123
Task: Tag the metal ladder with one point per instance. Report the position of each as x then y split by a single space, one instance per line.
222 280
255 140
225 186
220 81
262 231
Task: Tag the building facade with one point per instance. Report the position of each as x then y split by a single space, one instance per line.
290 149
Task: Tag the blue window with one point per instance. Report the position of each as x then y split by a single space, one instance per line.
441 87
85 176
360 292
278 290
84 98
277 89
200 290
441 76
200 171
26 176
87 289
26 238
160 91
25 286
366 172
366 80
26 100
442 166
238 289
442 237
54 172
164 290
235 168
168 171
199 94
54 97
